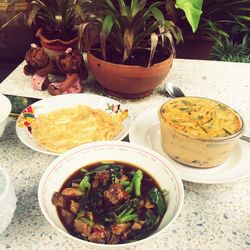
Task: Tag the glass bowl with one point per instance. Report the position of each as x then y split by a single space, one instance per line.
184 144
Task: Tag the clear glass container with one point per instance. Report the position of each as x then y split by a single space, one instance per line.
194 151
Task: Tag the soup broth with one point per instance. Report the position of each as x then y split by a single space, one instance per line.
110 203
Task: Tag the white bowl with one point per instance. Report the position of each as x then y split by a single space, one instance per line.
5 108
151 162
7 200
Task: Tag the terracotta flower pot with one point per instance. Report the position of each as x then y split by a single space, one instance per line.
128 81
56 46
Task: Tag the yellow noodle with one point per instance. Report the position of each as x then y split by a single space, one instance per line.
200 117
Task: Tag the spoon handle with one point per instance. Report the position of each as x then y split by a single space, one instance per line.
245 138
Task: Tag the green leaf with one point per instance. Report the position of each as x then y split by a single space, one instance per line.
192 9
123 8
156 197
138 179
137 6
85 184
244 17
127 215
88 221
157 14
134 7
111 6
106 28
138 175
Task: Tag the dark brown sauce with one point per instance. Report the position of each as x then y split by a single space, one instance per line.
94 196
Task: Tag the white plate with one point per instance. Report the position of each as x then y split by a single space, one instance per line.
146 131
65 101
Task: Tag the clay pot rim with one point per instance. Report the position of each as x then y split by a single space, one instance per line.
129 66
45 40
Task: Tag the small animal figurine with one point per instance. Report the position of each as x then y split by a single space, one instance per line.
38 66
70 63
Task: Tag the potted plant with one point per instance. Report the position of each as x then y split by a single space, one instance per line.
55 22
136 48
223 19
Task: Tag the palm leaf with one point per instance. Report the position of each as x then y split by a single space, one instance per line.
142 4
247 18
134 7
154 42
171 41
138 20
110 4
106 28
79 11
123 8
33 14
148 13
128 43
157 14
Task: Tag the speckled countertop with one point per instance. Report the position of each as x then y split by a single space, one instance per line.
213 216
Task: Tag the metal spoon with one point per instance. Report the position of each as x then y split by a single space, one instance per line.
175 91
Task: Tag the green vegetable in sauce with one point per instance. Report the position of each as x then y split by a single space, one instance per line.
156 197
127 215
125 183
88 221
104 167
84 184
138 178
136 182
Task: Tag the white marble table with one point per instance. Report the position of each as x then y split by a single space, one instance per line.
213 217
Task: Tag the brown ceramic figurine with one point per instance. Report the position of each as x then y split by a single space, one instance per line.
71 63
38 66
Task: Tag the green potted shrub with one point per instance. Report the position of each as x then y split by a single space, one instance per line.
225 19
225 49
56 24
136 46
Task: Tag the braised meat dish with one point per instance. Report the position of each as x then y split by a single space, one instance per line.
110 203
